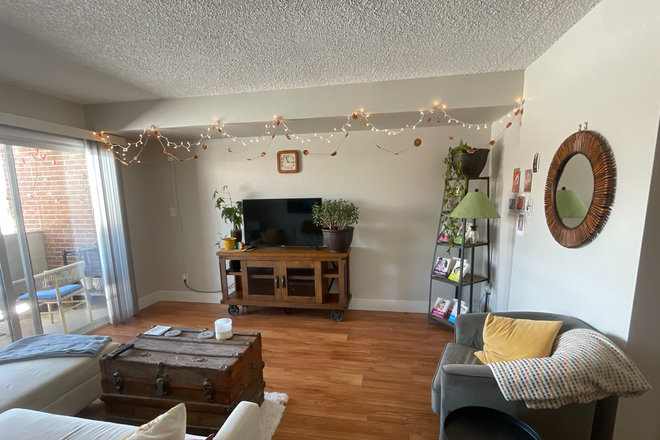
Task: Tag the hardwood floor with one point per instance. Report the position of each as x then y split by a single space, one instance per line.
367 377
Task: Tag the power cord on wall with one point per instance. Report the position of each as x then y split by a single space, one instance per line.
183 257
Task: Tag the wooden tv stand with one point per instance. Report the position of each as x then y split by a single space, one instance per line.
288 277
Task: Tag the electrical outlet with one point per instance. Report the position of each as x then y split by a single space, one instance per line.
172 212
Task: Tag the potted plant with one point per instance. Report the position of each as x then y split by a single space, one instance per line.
462 162
228 243
336 216
231 212
469 161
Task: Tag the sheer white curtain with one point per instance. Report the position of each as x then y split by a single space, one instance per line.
112 231
111 228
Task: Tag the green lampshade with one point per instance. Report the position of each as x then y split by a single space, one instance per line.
569 204
475 205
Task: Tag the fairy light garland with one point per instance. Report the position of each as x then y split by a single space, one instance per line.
438 113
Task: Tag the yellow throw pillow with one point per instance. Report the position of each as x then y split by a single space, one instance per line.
508 339
168 426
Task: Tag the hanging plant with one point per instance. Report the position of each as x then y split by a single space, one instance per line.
455 189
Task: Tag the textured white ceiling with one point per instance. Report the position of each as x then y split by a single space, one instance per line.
112 50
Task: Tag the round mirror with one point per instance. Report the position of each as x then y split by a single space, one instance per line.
579 190
575 191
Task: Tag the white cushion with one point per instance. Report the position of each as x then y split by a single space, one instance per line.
24 424
168 426
32 425
242 424
37 383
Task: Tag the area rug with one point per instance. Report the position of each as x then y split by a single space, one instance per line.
270 413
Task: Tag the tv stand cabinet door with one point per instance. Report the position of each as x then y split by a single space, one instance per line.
261 281
301 282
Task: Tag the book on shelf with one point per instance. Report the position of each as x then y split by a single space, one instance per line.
456 268
454 310
441 308
442 267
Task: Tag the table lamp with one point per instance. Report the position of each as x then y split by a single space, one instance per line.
569 205
474 205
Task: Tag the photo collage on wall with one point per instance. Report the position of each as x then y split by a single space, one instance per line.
523 204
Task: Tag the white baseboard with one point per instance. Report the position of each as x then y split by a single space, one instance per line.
148 300
388 305
381 305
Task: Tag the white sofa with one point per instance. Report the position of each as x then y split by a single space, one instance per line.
57 385
23 424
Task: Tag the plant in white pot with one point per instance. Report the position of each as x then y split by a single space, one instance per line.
336 216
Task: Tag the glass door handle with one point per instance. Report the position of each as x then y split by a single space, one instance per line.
283 282
277 282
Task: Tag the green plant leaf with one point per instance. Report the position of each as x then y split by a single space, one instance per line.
455 189
335 214
229 211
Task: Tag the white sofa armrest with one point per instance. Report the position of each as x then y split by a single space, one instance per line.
242 424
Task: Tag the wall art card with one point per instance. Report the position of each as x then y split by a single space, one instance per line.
512 203
520 226
521 203
528 181
529 206
516 181
536 162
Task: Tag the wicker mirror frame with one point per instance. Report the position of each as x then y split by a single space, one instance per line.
600 156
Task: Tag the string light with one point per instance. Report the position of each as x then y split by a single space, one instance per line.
358 117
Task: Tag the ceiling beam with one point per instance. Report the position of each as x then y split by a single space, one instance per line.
456 92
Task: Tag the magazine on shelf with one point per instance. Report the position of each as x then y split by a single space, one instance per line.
442 267
455 271
442 308
454 310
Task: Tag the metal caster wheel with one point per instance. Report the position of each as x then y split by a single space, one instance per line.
234 310
337 315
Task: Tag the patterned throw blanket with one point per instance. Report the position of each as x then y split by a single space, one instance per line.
584 366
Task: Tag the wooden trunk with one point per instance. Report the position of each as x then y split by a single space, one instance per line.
155 373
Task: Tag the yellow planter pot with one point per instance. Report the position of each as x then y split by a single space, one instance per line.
229 243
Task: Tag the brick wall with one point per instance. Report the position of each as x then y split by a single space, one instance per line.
55 197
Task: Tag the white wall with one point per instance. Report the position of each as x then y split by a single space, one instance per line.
399 199
22 102
641 415
604 70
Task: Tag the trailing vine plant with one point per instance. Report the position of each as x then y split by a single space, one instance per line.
455 190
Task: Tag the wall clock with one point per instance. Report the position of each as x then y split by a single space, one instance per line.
288 161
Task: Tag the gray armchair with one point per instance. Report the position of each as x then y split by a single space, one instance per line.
462 380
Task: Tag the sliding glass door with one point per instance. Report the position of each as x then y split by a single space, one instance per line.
51 265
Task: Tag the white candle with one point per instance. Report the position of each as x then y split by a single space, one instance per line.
223 328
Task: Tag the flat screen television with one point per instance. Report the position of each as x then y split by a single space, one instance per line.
280 222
